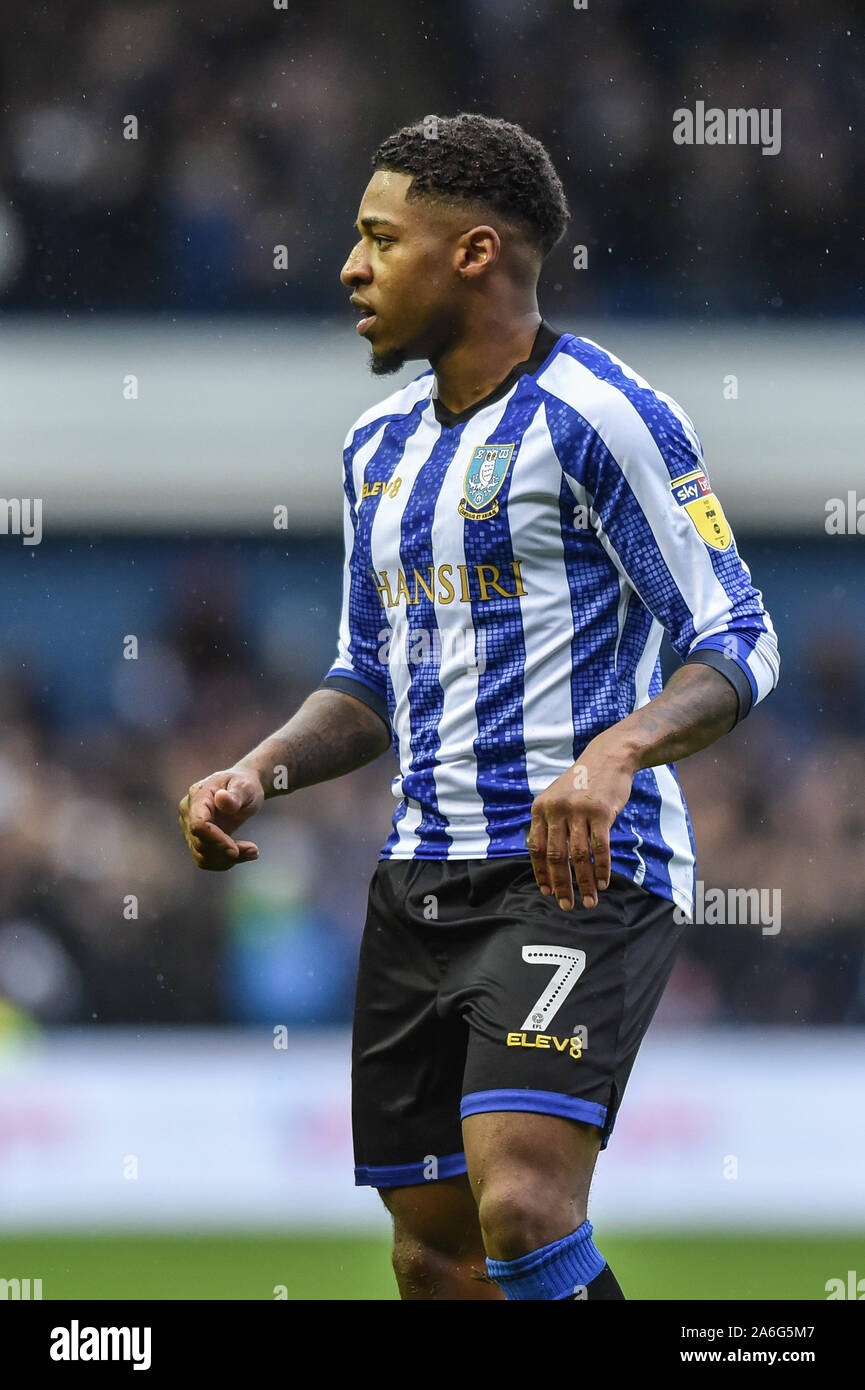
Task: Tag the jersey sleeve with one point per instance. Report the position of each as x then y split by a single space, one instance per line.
358 668
653 508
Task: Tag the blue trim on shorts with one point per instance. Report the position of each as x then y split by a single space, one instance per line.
409 1174
536 1102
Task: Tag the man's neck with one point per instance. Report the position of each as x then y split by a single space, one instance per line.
482 358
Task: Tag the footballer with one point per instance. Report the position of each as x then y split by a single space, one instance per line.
523 522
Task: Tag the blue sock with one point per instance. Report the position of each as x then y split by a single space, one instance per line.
552 1273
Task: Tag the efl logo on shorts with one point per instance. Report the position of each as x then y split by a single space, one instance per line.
694 493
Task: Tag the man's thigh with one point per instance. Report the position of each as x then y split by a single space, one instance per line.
534 1156
441 1216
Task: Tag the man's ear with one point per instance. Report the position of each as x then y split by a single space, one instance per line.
478 250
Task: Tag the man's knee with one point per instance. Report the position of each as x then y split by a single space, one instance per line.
437 1247
519 1214
424 1271
415 1264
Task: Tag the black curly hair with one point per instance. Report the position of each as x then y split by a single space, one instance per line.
480 159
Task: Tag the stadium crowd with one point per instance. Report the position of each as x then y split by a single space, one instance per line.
153 156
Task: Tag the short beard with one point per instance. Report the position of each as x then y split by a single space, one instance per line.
387 362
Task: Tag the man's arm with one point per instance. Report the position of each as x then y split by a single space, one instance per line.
685 569
574 815
335 730
332 733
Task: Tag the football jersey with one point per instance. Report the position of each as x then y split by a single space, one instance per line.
510 572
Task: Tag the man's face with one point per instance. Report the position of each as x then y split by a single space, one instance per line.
402 273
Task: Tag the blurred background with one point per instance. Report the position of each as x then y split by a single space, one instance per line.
177 195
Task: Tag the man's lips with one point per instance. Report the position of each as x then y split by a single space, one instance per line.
367 315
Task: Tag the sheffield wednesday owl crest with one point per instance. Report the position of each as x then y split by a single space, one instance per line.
485 474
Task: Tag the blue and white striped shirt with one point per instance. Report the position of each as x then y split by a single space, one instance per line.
510 572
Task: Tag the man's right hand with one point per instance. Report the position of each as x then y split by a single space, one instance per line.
211 812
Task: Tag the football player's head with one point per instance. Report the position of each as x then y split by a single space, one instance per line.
458 207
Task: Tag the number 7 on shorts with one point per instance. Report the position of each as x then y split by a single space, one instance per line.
571 964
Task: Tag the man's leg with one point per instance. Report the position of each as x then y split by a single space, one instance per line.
407 1069
557 1005
438 1252
530 1176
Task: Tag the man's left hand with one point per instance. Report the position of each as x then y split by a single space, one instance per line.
571 823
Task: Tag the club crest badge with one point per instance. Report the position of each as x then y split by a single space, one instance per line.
485 474
694 493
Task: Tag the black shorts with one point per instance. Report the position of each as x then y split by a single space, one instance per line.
476 993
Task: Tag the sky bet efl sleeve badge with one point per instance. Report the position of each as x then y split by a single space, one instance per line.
484 476
694 493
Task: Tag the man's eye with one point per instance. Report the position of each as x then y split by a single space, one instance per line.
381 240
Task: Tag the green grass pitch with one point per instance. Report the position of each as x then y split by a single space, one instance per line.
357 1268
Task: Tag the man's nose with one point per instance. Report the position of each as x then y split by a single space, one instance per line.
356 270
